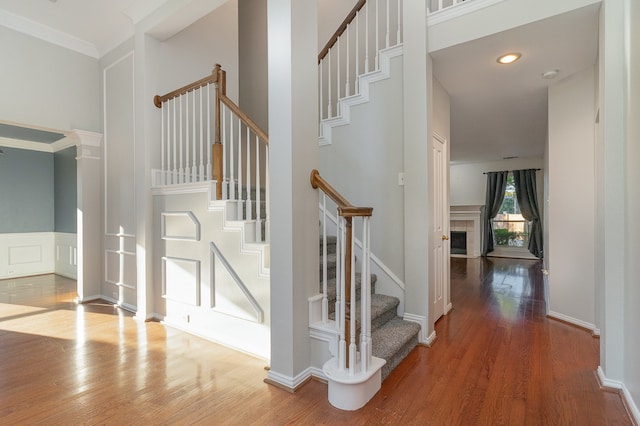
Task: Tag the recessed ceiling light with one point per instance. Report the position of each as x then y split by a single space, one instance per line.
509 58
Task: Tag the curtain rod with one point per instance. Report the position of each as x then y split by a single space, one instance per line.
510 171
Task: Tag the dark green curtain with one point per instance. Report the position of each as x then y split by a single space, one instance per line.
526 192
496 184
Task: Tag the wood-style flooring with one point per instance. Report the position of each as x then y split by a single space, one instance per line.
497 360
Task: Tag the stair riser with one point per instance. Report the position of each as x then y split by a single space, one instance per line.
397 358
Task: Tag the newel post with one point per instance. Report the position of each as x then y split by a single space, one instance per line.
217 151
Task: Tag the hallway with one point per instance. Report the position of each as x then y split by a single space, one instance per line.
497 360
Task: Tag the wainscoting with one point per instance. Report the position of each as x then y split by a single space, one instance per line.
35 253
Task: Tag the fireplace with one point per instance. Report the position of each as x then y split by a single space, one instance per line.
458 242
465 230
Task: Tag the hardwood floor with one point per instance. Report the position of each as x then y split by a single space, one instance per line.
497 360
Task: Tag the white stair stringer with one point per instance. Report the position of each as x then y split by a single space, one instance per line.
364 81
247 230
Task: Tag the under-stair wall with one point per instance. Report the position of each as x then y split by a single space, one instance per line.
211 278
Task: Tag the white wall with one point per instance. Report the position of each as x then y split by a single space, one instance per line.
192 53
45 85
441 111
363 163
469 184
252 40
571 215
119 190
194 289
331 13
632 248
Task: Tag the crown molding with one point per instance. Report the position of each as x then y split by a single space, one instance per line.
48 34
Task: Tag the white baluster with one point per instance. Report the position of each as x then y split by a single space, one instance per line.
366 38
240 200
175 143
399 32
340 292
329 88
258 194
201 170
387 38
377 35
352 310
365 300
356 80
163 142
321 89
209 141
338 78
439 4
248 214
181 171
194 140
347 88
325 300
225 148
187 174
232 165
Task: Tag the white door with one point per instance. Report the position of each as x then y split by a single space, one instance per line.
440 227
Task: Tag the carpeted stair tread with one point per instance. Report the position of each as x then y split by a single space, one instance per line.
393 342
393 338
331 244
331 286
383 309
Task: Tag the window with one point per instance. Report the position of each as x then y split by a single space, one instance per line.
510 229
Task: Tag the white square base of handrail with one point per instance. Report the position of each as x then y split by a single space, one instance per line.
351 392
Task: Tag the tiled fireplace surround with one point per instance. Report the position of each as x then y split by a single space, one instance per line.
467 218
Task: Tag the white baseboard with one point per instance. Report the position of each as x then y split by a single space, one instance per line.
431 338
289 383
422 321
630 404
571 320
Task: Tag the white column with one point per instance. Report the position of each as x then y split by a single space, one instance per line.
89 200
417 93
611 293
147 135
293 130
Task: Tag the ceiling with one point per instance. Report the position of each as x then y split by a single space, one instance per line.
91 26
499 110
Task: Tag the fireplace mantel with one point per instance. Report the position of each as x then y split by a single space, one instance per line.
469 214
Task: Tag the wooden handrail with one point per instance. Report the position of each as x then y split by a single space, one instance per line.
245 118
341 29
345 208
218 77
213 78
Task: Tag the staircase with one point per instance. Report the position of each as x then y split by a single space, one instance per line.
393 338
